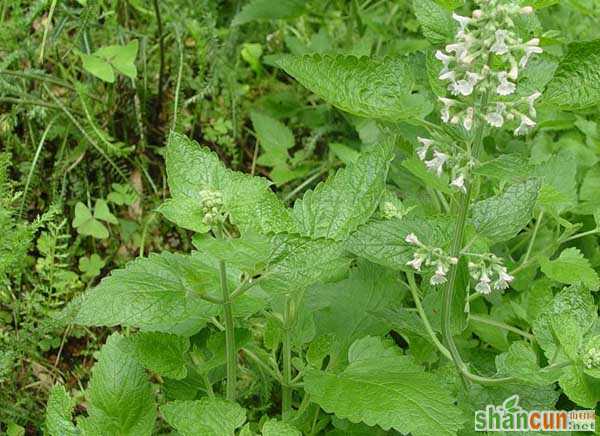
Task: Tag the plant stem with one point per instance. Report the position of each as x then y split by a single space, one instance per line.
457 243
533 237
415 294
161 45
503 326
231 351
286 389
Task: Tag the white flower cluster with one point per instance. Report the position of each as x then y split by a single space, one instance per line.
485 40
489 273
436 155
212 204
430 256
591 359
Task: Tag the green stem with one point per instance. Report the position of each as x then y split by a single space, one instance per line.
231 351
533 237
455 251
503 326
415 294
286 389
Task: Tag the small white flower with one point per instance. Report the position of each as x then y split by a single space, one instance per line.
459 49
531 102
443 57
469 118
422 151
526 10
483 287
437 163
499 47
412 239
463 22
445 112
503 279
505 87
440 275
531 47
477 14
464 87
453 260
447 75
416 262
495 119
526 125
513 73
459 183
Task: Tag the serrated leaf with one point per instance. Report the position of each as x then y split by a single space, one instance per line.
573 305
382 242
378 89
206 417
260 10
521 362
346 200
301 262
508 167
120 397
249 253
390 391
436 22
354 302
571 267
162 353
576 83
157 293
502 216
278 428
249 200
580 387
59 411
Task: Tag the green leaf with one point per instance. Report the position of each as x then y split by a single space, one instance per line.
260 10
378 89
249 200
206 417
59 411
450 4
272 134
576 83
354 302
91 266
120 397
121 57
521 361
571 267
98 67
346 200
344 153
162 353
580 387
388 390
300 262
436 22
86 224
158 293
278 428
572 310
505 167
249 253
418 169
559 182
382 242
502 216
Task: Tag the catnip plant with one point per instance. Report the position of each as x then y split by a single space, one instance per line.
406 291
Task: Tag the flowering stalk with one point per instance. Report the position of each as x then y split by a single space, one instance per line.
482 67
